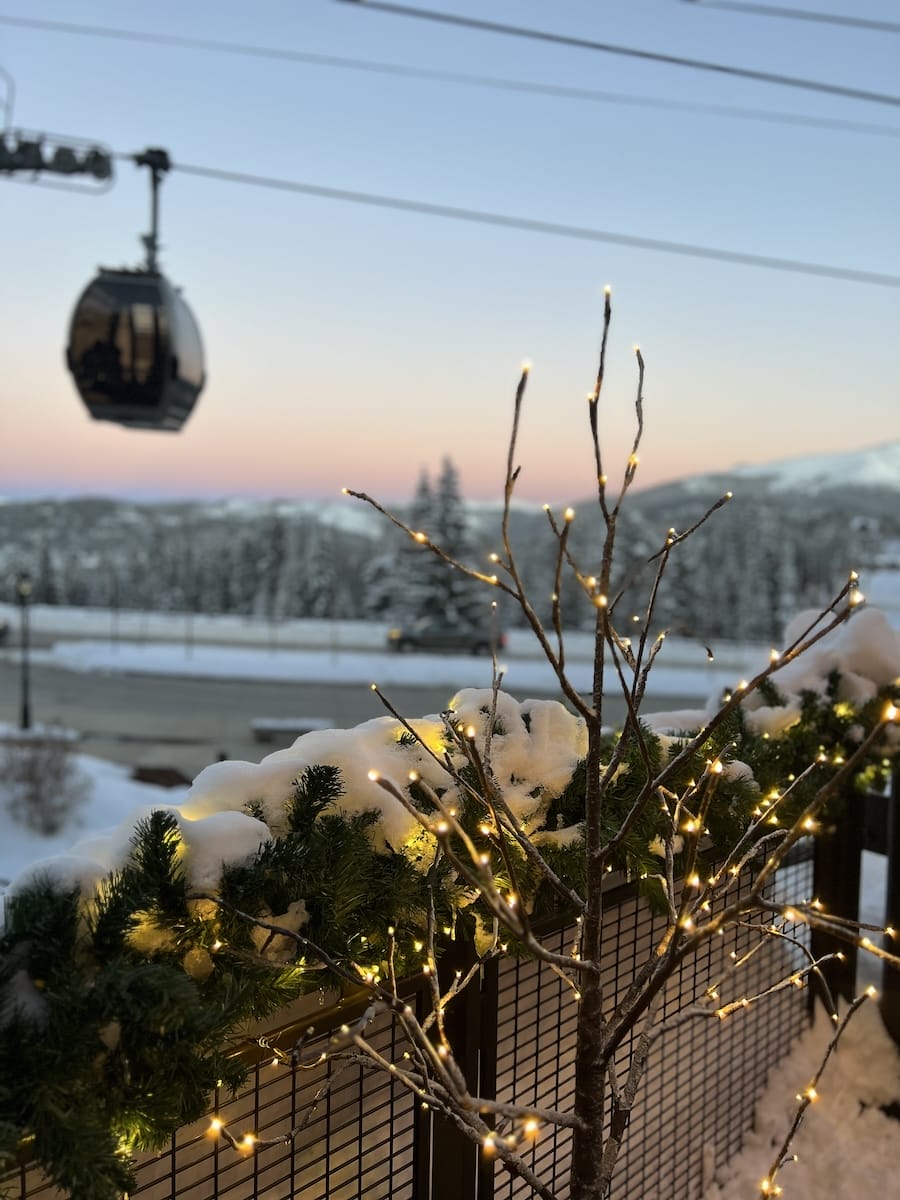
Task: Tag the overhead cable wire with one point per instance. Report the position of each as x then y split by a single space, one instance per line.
462 78
672 60
800 14
531 225
456 77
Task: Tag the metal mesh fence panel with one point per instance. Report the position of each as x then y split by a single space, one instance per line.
356 1136
362 1135
704 1075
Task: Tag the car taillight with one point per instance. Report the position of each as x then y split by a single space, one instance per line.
501 641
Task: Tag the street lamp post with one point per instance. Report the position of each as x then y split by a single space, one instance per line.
23 595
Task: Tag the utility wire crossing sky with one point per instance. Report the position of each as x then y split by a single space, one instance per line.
283 54
799 14
672 60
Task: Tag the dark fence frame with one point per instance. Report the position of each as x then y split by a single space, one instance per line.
511 1025
873 824
890 980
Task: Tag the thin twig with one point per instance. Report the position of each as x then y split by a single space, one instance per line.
805 1099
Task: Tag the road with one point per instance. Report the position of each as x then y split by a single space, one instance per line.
188 722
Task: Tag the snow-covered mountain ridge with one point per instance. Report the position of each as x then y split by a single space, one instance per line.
872 467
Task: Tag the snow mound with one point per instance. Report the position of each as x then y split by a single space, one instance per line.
846 1138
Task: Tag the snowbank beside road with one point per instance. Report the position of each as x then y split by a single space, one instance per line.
361 667
52 622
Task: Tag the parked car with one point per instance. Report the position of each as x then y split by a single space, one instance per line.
430 633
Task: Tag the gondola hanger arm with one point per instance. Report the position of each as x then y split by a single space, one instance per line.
158 163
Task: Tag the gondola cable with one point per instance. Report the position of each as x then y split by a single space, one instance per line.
533 225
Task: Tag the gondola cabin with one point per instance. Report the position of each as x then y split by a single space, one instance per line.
135 352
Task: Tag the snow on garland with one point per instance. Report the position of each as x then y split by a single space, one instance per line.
863 654
536 747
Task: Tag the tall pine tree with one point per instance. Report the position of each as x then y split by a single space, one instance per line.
414 593
425 585
464 600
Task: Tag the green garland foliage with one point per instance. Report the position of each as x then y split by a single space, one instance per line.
108 1043
119 1012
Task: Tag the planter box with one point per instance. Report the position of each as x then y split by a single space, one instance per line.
369 1137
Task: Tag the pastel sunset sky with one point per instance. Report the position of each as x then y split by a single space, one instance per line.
351 344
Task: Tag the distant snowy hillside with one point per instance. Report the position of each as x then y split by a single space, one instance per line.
876 467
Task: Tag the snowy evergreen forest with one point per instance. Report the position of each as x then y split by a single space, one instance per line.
771 551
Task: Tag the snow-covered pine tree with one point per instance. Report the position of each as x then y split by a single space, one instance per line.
46 587
320 574
270 560
427 586
464 600
378 585
244 572
414 593
75 588
288 598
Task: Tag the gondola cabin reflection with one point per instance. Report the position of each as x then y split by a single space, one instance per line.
135 352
